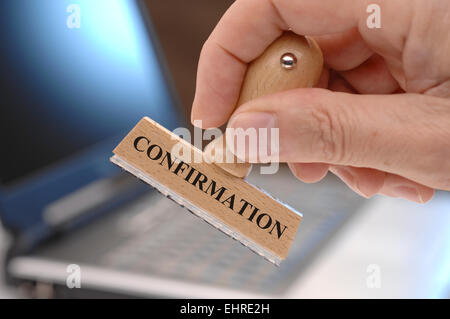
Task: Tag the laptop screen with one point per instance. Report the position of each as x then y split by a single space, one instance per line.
73 73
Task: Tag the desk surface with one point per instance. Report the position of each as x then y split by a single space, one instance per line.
406 246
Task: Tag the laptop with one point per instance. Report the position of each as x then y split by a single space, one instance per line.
76 77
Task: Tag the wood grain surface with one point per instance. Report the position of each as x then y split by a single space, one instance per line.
239 205
265 75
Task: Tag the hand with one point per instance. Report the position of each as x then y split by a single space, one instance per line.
381 117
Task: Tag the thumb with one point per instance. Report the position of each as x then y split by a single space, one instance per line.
404 134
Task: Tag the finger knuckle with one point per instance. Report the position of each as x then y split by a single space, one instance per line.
332 133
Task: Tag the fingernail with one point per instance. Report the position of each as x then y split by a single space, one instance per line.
252 120
257 121
409 193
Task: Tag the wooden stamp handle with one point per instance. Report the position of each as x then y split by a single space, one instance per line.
291 62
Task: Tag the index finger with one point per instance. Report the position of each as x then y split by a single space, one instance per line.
243 33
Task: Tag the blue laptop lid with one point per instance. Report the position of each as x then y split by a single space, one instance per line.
76 76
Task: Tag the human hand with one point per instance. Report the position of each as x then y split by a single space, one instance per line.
381 118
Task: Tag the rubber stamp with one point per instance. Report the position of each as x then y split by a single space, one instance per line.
218 192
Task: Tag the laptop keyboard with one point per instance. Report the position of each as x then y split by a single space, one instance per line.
162 239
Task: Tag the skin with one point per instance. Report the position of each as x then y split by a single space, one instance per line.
380 117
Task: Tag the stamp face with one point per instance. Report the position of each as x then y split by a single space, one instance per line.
237 204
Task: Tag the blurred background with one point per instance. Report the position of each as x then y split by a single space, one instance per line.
75 76
183 27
